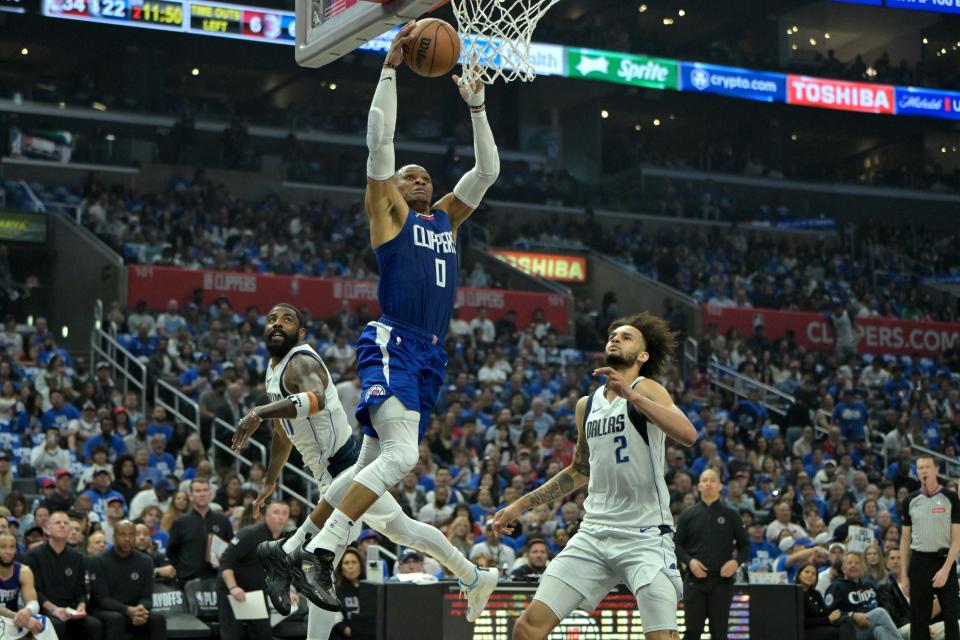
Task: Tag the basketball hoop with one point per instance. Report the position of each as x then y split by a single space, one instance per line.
496 37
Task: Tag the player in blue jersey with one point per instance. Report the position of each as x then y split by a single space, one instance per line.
16 586
400 357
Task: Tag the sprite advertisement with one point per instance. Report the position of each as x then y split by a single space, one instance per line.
623 68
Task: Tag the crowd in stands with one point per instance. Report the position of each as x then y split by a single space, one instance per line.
745 268
196 224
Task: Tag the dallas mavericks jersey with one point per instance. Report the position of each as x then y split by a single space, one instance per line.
418 273
10 590
627 489
321 435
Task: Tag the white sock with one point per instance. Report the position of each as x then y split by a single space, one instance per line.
294 541
334 533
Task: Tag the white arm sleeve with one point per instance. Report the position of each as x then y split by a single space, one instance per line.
380 127
474 184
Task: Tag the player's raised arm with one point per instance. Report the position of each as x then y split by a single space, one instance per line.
382 198
652 400
473 185
306 380
568 480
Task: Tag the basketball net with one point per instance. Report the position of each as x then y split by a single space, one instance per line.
496 37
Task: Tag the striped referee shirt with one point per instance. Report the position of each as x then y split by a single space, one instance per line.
930 518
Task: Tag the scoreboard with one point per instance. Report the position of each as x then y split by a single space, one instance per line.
185 16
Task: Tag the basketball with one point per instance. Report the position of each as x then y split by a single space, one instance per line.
436 48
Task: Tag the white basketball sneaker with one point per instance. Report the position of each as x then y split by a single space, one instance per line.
478 591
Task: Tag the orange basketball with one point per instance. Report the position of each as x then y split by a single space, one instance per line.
435 48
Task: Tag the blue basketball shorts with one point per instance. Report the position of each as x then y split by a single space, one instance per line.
397 359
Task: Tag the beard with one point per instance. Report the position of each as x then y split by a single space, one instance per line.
280 349
617 360
6 565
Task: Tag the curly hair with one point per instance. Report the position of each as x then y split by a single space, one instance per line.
660 340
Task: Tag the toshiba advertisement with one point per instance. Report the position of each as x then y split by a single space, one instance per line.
552 266
840 94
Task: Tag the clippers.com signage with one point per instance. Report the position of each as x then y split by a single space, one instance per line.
840 94
322 296
552 266
814 331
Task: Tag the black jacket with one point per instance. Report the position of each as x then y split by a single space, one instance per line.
891 598
187 548
241 557
60 577
122 582
815 612
711 534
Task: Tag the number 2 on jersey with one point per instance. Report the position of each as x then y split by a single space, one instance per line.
621 445
441 266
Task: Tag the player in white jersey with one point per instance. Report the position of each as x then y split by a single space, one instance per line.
307 413
626 535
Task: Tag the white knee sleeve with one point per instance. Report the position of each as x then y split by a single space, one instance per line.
397 428
657 604
369 450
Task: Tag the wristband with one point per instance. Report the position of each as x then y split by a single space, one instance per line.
34 607
390 65
306 403
253 416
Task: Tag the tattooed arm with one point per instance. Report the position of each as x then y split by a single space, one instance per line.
567 481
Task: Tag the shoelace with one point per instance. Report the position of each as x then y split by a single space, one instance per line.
466 588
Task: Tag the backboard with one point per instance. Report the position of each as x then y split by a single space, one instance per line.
330 29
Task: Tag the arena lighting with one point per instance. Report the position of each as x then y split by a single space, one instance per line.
604 114
638 127
826 36
65 331
110 137
794 137
793 46
24 51
643 8
668 21
813 41
195 71
681 13
943 149
656 122
789 32
925 41
333 86
99 106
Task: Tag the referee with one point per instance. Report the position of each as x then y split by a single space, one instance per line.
928 552
707 534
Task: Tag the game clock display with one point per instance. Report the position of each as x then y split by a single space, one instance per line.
152 13
205 18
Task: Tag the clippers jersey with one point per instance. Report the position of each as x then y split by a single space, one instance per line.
418 273
317 437
10 590
627 489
